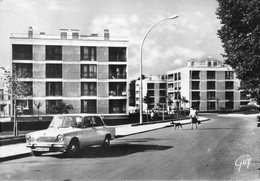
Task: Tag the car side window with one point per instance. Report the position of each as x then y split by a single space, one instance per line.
97 121
87 122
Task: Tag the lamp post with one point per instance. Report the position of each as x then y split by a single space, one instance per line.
141 71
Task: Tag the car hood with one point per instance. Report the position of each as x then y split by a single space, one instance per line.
52 132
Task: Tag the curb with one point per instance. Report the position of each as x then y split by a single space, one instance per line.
10 141
13 157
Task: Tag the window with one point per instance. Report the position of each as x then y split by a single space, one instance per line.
117 106
88 71
196 105
195 85
88 53
179 86
53 52
117 54
162 93
150 86
175 77
229 75
179 76
229 105
50 104
24 107
88 88
117 89
96 121
117 72
211 106
210 74
229 95
195 74
162 100
229 85
170 77
195 95
24 70
22 52
29 88
211 85
53 70
162 85
211 95
209 64
88 106
53 89
150 93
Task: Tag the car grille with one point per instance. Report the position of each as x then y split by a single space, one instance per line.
46 139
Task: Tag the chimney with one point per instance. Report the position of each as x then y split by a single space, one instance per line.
42 34
30 32
106 34
64 33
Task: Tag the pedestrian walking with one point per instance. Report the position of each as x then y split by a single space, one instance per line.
193 116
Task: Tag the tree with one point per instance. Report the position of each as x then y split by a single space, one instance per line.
147 101
38 106
16 89
60 108
240 35
132 93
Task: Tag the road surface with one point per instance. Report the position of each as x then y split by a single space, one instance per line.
211 153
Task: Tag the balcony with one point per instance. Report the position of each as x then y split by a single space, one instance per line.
117 89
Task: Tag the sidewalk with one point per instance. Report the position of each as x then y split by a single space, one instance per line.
19 150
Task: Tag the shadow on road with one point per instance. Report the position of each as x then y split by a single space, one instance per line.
116 150
215 128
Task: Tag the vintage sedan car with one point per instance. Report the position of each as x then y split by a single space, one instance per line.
70 133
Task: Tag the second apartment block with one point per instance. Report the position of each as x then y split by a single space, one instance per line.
88 71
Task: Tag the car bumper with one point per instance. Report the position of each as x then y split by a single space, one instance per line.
50 147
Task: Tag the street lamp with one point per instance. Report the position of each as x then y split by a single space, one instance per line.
141 71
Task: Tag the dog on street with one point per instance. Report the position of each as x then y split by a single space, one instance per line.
177 125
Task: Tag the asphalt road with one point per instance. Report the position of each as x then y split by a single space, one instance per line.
208 153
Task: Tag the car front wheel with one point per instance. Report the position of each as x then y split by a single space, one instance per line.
73 149
106 142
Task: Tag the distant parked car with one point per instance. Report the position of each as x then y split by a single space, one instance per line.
70 133
251 105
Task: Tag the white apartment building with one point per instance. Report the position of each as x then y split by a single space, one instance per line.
154 87
89 72
207 84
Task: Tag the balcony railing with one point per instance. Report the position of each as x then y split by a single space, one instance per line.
22 56
117 75
117 58
117 93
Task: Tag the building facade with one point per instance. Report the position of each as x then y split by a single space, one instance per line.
207 84
87 71
154 88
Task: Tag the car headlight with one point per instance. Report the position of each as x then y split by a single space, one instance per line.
28 138
60 138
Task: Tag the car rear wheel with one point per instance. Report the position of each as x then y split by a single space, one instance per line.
106 142
36 153
73 148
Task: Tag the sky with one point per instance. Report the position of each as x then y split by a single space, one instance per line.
169 45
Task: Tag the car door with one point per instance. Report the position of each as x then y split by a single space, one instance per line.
100 129
88 131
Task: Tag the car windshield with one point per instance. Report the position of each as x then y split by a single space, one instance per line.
66 121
